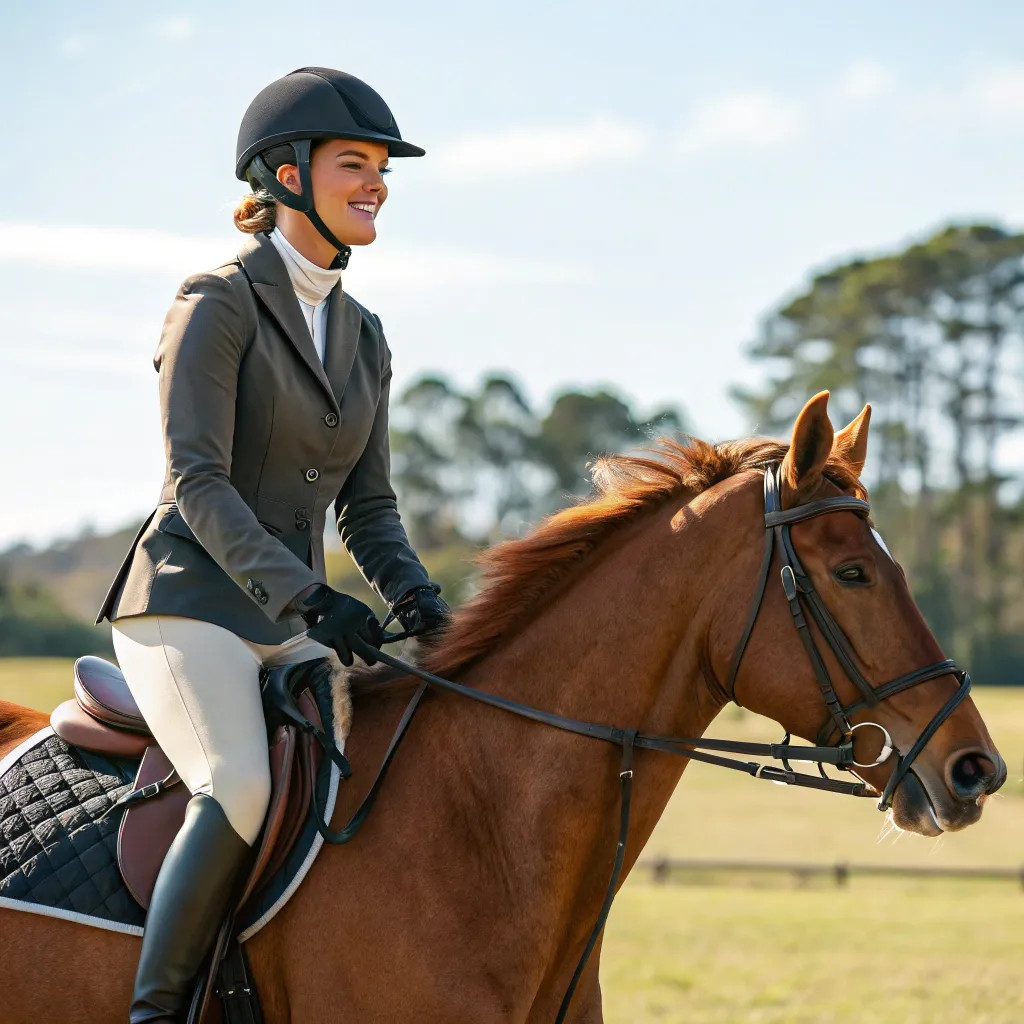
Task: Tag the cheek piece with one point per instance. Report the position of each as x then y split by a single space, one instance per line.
260 173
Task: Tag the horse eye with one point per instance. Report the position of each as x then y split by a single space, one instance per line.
851 574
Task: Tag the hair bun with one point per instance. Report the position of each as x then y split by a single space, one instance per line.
255 212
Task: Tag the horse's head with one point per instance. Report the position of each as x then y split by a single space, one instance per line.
865 592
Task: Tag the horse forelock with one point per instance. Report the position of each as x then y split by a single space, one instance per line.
519 576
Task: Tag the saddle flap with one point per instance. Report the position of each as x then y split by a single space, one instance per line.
282 763
74 726
102 692
148 828
296 810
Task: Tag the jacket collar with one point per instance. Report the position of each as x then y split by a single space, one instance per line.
344 328
269 276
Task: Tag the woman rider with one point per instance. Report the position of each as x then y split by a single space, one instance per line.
274 399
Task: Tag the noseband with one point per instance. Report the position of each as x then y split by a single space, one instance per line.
801 596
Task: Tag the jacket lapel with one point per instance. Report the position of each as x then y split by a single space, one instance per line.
271 283
344 326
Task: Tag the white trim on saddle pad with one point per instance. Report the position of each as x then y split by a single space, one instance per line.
70 915
314 850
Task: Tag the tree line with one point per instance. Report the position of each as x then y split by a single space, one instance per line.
34 624
931 335
480 464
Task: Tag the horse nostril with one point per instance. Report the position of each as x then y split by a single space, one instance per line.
971 776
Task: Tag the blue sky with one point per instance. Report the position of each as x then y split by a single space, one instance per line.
612 193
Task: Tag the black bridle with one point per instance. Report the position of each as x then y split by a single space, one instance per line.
800 595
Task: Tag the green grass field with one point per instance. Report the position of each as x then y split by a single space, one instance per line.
878 951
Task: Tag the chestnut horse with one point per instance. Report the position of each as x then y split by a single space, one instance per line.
471 891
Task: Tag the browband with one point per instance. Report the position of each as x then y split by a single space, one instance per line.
817 508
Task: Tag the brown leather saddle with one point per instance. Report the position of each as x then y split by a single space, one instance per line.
104 718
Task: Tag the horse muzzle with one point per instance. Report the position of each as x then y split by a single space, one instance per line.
930 801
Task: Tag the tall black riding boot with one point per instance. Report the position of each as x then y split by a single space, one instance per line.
190 899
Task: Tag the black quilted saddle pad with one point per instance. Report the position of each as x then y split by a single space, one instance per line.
54 851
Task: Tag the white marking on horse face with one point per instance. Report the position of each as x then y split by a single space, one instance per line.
881 543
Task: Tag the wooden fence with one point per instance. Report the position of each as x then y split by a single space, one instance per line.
665 870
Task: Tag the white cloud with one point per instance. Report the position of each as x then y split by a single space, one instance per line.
388 266
531 148
1000 92
753 120
175 28
865 80
397 267
72 45
86 247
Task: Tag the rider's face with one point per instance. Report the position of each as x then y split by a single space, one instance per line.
348 183
348 186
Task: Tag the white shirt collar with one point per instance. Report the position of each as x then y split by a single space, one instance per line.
312 284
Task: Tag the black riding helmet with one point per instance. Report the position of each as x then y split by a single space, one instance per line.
307 105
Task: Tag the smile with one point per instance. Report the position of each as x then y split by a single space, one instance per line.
369 208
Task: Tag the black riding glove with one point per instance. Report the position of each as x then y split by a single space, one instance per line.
335 620
422 610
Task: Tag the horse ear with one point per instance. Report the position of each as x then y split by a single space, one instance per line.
808 452
852 441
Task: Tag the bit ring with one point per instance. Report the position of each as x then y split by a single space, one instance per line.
887 745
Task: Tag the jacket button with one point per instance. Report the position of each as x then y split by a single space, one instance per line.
331 419
312 475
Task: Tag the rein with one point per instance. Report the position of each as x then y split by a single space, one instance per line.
800 594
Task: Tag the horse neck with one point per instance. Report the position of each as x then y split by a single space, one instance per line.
621 641
621 644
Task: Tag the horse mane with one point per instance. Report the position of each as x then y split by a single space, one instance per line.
17 723
518 576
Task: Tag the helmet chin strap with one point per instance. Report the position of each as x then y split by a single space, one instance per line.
304 203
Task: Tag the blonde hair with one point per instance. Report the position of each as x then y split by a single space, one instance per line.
255 212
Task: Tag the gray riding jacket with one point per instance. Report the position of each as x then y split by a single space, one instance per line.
260 439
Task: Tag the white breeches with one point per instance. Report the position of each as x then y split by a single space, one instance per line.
197 686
